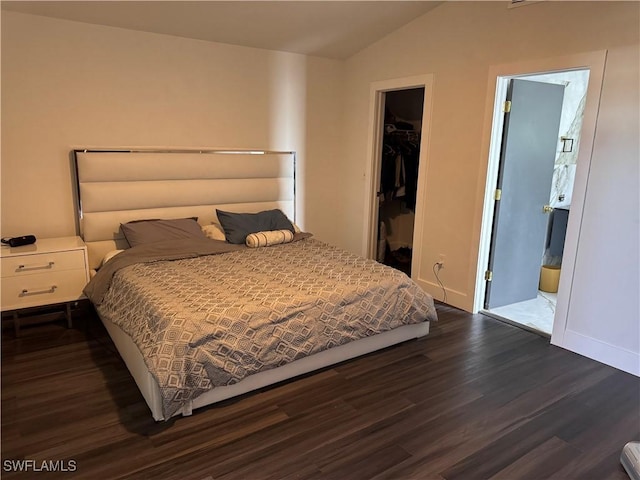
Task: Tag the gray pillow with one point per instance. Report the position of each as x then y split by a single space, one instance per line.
238 225
139 232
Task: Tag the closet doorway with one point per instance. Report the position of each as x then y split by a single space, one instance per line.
420 270
398 186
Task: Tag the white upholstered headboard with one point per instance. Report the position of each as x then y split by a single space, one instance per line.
115 187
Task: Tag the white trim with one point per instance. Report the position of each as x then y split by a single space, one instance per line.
454 297
374 152
595 62
620 358
496 125
423 168
372 175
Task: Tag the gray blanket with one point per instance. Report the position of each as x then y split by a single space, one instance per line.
155 252
210 320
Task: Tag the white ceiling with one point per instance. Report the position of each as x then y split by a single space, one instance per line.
333 29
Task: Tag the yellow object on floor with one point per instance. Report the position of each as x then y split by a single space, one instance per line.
549 278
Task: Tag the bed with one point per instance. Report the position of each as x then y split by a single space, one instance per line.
198 320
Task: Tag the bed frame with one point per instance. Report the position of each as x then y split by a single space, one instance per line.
116 186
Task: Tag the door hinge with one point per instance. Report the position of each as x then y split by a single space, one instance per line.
488 275
506 106
497 195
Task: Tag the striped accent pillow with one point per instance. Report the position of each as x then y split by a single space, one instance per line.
271 237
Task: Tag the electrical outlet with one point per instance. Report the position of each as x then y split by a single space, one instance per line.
441 259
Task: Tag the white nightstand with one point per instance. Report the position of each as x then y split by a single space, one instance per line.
51 271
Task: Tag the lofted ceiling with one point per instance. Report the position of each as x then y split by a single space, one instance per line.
332 29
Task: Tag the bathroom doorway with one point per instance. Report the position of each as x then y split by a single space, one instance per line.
533 196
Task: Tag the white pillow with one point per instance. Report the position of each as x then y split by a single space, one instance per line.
265 239
110 255
214 232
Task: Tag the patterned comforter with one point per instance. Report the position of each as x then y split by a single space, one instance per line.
211 320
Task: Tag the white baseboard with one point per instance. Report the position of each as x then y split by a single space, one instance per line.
454 298
620 358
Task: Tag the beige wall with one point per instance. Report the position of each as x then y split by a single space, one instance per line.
458 42
67 84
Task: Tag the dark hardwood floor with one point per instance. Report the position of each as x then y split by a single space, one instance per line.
475 399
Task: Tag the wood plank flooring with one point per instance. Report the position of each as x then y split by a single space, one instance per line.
476 399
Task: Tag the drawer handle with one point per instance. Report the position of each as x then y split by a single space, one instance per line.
26 292
35 267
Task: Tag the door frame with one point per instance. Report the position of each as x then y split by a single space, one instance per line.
374 155
492 138
549 98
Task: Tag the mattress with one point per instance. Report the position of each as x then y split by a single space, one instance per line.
209 320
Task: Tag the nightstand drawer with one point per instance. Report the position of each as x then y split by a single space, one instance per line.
42 289
24 265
